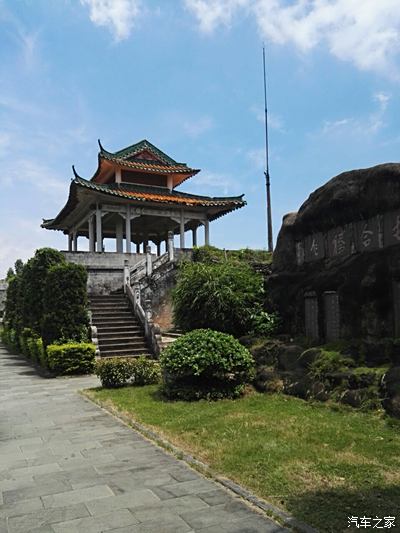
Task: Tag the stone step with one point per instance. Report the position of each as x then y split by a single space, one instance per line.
110 306
121 344
124 341
107 299
124 352
112 312
128 355
116 322
127 329
121 333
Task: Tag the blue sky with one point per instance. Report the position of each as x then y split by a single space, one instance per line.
187 75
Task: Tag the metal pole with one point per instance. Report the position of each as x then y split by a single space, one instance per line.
266 173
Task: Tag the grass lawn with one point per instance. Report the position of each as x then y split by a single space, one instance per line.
319 463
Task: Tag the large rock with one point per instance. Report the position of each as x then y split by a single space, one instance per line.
390 390
362 279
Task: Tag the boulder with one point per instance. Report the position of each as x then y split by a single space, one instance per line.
266 352
361 278
267 380
288 357
306 358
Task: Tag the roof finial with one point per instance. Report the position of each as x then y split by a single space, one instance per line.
100 145
75 172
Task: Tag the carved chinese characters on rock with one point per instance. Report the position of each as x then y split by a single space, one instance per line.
314 248
340 241
391 233
367 235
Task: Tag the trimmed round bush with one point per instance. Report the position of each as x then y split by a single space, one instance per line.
205 364
116 372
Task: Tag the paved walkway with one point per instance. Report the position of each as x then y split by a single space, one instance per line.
67 466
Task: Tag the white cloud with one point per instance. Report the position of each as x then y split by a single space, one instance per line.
363 126
222 184
195 128
119 16
214 13
275 122
364 32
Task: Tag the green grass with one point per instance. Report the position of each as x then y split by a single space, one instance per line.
320 463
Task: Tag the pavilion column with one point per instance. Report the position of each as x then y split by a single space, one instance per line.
75 241
182 230
99 230
138 248
159 248
119 232
92 241
70 242
194 237
128 229
207 232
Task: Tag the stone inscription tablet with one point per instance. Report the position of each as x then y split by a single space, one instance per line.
342 241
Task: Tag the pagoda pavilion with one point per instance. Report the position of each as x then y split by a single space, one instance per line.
132 198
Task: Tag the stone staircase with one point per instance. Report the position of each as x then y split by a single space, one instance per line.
118 330
168 337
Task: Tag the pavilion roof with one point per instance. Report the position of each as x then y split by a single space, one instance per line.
142 157
138 194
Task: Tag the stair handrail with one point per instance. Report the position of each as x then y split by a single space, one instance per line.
151 330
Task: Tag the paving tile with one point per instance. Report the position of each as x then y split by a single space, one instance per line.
44 517
104 522
97 492
130 500
21 507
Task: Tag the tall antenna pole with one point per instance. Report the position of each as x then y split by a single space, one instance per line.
266 172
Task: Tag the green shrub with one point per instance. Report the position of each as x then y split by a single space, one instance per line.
145 371
117 372
114 372
205 364
41 353
71 358
211 254
329 362
65 304
27 333
221 297
264 324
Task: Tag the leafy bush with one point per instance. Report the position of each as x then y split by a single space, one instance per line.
116 372
65 304
264 324
145 371
26 334
211 254
205 364
41 353
328 362
221 297
71 358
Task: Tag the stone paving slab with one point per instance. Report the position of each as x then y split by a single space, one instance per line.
67 466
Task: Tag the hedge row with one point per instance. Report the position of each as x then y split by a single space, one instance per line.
58 359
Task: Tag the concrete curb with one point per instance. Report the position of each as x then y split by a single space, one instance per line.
283 518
